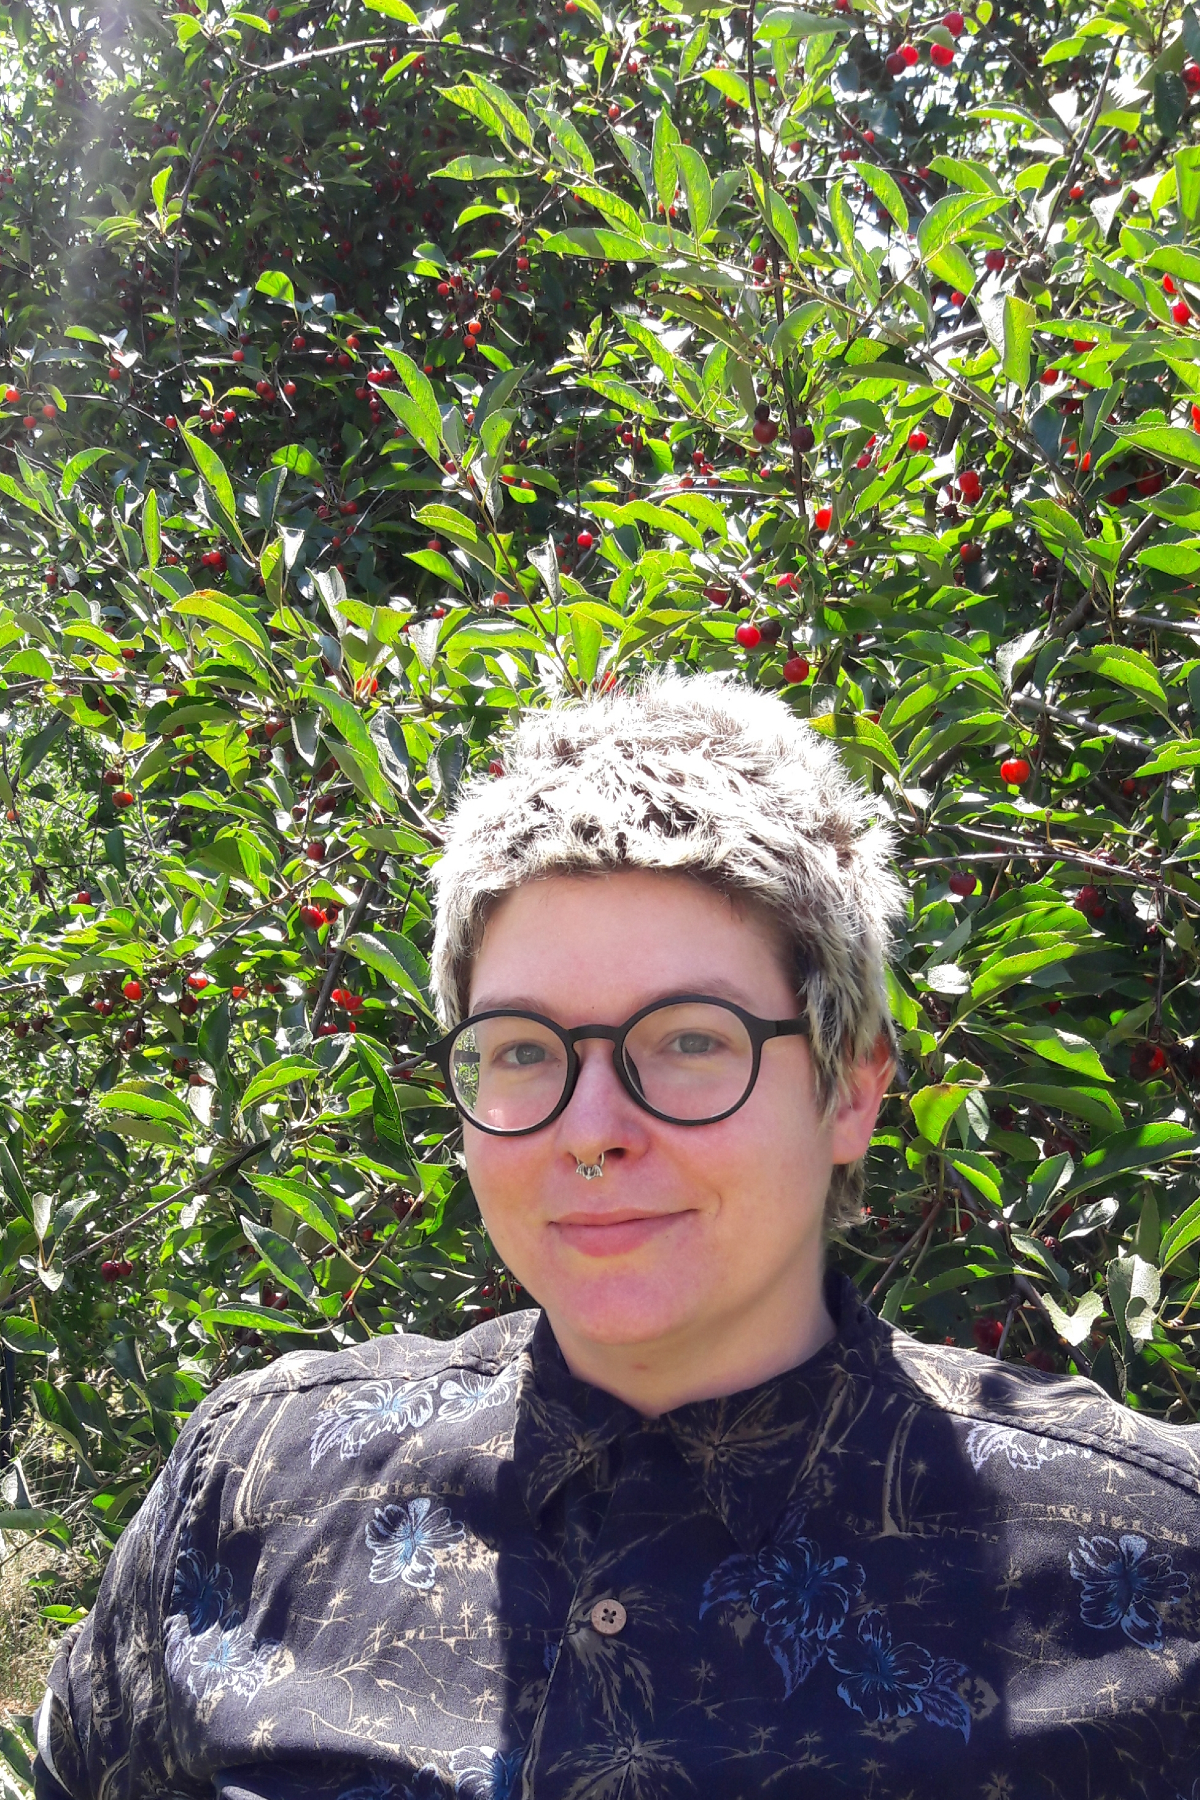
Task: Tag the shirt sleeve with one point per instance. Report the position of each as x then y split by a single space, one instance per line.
103 1727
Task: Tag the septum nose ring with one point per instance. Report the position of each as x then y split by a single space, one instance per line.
590 1171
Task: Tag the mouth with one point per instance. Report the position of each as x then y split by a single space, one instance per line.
613 1233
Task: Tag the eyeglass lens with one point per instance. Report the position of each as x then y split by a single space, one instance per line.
689 1061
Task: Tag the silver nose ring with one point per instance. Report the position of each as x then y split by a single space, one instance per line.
590 1171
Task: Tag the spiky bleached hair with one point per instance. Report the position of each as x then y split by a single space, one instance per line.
696 776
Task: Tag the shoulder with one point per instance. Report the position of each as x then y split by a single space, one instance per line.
489 1350
1026 1418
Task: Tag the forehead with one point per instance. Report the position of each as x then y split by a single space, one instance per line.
571 943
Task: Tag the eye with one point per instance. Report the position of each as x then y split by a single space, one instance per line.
693 1043
524 1055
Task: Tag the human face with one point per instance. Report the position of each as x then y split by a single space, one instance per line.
700 1247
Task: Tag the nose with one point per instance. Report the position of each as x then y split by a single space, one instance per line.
600 1118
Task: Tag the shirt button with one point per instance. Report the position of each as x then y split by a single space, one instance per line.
608 1617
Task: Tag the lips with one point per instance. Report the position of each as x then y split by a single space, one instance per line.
613 1234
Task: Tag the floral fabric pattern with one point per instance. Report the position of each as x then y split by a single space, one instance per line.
1125 1584
403 1541
416 1570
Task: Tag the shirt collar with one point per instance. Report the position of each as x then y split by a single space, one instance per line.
750 1452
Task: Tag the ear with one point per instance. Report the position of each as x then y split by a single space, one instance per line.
854 1120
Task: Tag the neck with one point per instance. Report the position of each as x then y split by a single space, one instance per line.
712 1357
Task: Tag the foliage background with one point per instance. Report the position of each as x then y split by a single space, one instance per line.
372 374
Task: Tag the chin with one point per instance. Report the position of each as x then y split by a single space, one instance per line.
619 1309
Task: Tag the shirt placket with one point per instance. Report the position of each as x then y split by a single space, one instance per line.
598 1707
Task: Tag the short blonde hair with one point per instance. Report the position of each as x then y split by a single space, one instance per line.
698 776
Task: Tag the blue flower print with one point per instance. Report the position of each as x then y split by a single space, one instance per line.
403 1539
1124 1584
801 1598
228 1658
466 1393
376 1409
486 1774
200 1592
883 1681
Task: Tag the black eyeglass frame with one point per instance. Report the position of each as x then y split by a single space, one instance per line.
759 1031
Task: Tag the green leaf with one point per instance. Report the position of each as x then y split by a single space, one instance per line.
78 465
1138 1147
25 1337
601 246
1180 1236
387 1117
1006 970
475 168
1134 1288
301 1198
885 188
696 186
151 535
276 285
1057 1046
300 460
1129 668
1018 320
953 217
398 959
868 738
349 721
1170 443
1075 1327
663 159
281 1257
217 484
394 9
276 1077
147 1100
230 617
933 1108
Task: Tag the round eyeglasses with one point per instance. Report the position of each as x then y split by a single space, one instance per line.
688 1060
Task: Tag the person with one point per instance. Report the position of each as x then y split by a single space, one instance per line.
698 1524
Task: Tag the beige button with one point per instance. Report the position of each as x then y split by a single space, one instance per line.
608 1617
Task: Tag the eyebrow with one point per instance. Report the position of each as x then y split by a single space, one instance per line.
719 988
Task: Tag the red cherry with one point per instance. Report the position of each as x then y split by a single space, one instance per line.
969 553
1048 377
109 1270
1015 770
132 990
314 917
197 983
748 636
765 431
988 1332
171 422
941 56
12 395
895 63
238 993
994 260
1168 286
823 518
954 23
1181 312
123 798
239 356
315 851
585 540
796 669
273 15
918 440
29 422
83 897
963 884
911 55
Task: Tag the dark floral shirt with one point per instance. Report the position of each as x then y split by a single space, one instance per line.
424 1571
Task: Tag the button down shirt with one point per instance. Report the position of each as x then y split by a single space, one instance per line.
418 1570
